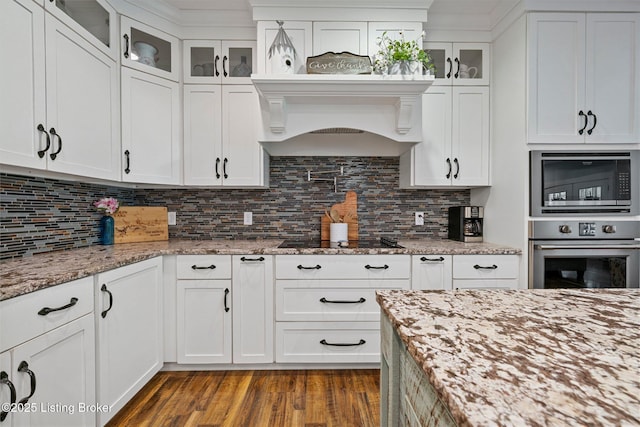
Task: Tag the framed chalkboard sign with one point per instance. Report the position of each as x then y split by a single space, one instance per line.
339 63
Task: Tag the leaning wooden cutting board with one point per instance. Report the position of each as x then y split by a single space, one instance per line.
349 211
140 224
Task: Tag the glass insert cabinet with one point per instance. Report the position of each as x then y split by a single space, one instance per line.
94 19
460 63
219 61
147 49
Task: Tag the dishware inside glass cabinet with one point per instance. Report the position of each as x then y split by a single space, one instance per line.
150 50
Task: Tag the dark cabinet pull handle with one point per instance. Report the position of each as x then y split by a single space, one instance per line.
340 344
479 267
224 168
595 121
226 293
126 156
104 289
126 45
45 149
328 301
4 379
586 122
458 70
53 133
24 368
217 166
245 259
439 259
215 65
210 267
450 68
224 66
449 163
46 310
317 267
370 267
455 175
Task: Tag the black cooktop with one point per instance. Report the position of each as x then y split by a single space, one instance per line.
383 242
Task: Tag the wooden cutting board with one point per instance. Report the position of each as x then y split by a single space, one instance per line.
347 210
140 224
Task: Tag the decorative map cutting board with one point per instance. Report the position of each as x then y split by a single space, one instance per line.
140 224
347 210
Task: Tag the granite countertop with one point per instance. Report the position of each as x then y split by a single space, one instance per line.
526 357
24 275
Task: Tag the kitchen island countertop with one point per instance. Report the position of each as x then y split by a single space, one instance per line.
525 357
28 274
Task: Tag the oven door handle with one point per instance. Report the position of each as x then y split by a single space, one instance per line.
604 246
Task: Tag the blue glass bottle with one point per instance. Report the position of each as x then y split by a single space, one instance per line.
106 230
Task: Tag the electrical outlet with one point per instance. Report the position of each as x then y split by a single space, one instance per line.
248 218
419 218
171 218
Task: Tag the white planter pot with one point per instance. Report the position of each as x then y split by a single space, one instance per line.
406 68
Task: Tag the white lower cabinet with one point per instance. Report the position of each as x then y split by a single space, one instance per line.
485 271
432 272
129 332
445 272
326 310
225 309
48 363
252 309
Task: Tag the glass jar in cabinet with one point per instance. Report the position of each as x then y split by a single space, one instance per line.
215 61
459 63
95 20
149 50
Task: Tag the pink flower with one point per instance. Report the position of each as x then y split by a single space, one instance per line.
107 205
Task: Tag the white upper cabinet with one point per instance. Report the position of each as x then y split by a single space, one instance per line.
340 37
301 35
150 129
220 137
455 140
460 63
92 19
215 61
583 72
65 120
22 85
395 30
147 49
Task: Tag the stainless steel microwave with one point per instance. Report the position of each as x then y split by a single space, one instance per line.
582 182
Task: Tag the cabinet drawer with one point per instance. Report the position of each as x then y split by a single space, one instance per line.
20 318
327 342
485 266
203 266
331 300
486 284
343 267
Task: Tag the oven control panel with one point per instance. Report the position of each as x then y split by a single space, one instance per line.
587 229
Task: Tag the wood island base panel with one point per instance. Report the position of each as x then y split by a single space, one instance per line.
524 357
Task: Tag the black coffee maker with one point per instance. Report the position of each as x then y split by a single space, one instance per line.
465 223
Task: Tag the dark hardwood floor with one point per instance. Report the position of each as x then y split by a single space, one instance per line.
313 398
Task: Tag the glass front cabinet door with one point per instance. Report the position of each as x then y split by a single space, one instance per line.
93 19
460 63
149 50
215 61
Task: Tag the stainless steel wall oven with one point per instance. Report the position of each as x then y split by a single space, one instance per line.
581 182
584 254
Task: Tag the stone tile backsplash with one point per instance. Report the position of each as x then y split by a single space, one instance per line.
42 215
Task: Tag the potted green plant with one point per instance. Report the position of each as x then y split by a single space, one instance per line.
400 56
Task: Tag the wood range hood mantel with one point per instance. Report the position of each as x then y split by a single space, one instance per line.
295 104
